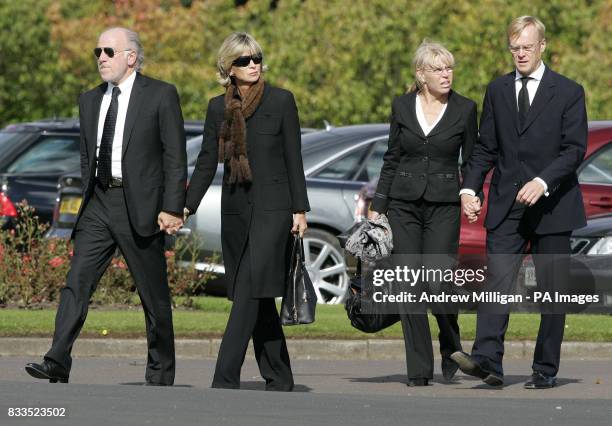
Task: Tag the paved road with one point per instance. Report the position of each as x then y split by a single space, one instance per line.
108 391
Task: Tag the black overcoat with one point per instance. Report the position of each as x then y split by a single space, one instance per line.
262 210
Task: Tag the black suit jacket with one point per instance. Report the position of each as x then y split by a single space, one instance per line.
418 166
154 158
551 145
262 209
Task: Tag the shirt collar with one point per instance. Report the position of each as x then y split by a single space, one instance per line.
125 87
536 75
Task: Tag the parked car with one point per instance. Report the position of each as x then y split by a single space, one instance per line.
32 158
594 175
591 266
337 163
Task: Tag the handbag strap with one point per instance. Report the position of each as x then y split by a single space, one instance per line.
301 243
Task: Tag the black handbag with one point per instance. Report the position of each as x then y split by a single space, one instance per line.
300 299
364 314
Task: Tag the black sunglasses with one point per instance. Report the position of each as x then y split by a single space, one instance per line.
110 52
244 61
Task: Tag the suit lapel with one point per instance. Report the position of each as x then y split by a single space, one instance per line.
136 98
510 97
407 115
543 96
450 116
92 125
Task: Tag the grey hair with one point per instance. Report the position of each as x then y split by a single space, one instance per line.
134 43
231 48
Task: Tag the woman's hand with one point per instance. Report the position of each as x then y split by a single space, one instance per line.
299 223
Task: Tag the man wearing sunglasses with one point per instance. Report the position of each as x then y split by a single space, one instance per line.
133 166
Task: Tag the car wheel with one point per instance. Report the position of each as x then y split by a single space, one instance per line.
326 266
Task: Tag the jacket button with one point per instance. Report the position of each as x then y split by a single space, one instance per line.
516 184
423 176
425 158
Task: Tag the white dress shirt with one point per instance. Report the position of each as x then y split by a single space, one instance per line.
421 116
123 99
532 86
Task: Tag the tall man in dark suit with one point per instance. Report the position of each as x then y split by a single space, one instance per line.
533 129
133 166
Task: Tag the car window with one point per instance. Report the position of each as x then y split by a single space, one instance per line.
193 150
374 162
345 167
10 140
599 167
52 154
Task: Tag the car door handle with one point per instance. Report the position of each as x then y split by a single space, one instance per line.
602 202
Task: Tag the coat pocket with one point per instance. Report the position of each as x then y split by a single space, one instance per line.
275 193
269 124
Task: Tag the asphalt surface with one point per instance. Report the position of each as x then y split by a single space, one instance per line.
109 391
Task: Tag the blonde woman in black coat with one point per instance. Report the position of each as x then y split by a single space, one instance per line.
418 189
254 130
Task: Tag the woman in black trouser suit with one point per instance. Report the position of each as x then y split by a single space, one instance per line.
254 131
419 191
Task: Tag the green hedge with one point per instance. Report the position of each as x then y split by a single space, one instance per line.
344 60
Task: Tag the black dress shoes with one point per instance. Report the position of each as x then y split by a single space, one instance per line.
48 370
449 368
540 381
471 367
420 381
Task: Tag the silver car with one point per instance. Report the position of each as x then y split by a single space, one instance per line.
337 163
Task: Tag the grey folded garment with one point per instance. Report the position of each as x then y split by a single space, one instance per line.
372 241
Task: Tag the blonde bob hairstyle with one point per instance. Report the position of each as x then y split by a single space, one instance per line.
232 49
519 24
429 55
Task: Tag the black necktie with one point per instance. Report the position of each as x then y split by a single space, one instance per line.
523 100
106 144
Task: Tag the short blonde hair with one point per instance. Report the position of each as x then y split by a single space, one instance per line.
231 49
433 55
519 24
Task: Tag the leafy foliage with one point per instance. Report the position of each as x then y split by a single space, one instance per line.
343 60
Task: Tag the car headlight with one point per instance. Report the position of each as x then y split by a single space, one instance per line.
602 246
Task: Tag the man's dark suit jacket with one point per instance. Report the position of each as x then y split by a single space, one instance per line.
418 166
550 145
153 162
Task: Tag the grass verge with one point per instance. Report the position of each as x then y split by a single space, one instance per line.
210 316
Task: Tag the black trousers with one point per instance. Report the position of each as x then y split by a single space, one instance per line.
256 318
505 247
422 228
104 226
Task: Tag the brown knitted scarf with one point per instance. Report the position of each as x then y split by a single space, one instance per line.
232 138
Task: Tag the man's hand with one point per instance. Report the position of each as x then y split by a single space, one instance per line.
372 215
169 222
530 193
471 207
186 214
299 223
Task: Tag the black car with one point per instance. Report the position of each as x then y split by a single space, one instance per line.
32 158
591 266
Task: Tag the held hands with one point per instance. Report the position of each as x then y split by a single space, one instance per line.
299 223
169 222
530 193
471 207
